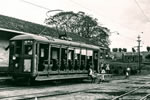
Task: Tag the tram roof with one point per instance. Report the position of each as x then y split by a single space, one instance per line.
48 39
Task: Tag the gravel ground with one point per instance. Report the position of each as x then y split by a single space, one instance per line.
108 90
116 86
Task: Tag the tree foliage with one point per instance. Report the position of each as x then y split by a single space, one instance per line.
148 48
120 49
115 49
81 24
133 50
124 50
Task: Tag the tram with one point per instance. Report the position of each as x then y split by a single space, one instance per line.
36 57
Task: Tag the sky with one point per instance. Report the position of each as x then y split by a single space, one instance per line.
129 18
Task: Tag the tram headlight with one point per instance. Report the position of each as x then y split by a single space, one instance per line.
14 57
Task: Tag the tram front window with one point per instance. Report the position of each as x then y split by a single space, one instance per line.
28 47
15 49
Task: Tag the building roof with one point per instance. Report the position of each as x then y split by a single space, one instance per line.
17 25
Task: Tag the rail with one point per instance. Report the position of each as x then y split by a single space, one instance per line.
125 94
145 97
43 94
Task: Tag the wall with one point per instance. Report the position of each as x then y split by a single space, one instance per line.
4 42
4 54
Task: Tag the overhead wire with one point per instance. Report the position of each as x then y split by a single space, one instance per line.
77 4
142 11
121 35
35 4
102 16
39 6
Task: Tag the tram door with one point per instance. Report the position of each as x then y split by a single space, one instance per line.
27 56
55 50
70 58
43 57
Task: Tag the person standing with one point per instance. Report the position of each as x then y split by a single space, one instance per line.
102 65
107 69
91 74
103 74
127 72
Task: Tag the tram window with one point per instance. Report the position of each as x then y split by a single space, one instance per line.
55 53
28 49
96 56
27 65
77 53
42 52
89 53
75 56
18 47
69 55
83 58
83 52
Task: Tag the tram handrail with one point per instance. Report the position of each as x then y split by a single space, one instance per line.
117 98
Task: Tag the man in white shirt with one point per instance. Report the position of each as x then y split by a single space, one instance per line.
92 75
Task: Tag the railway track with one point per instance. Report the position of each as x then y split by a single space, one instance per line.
140 93
130 95
136 89
38 86
147 97
43 94
40 95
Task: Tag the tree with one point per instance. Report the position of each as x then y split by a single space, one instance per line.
133 50
148 48
115 49
124 49
120 49
81 24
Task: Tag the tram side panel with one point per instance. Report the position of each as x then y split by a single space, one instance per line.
65 61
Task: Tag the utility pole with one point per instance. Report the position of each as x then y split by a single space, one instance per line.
139 62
